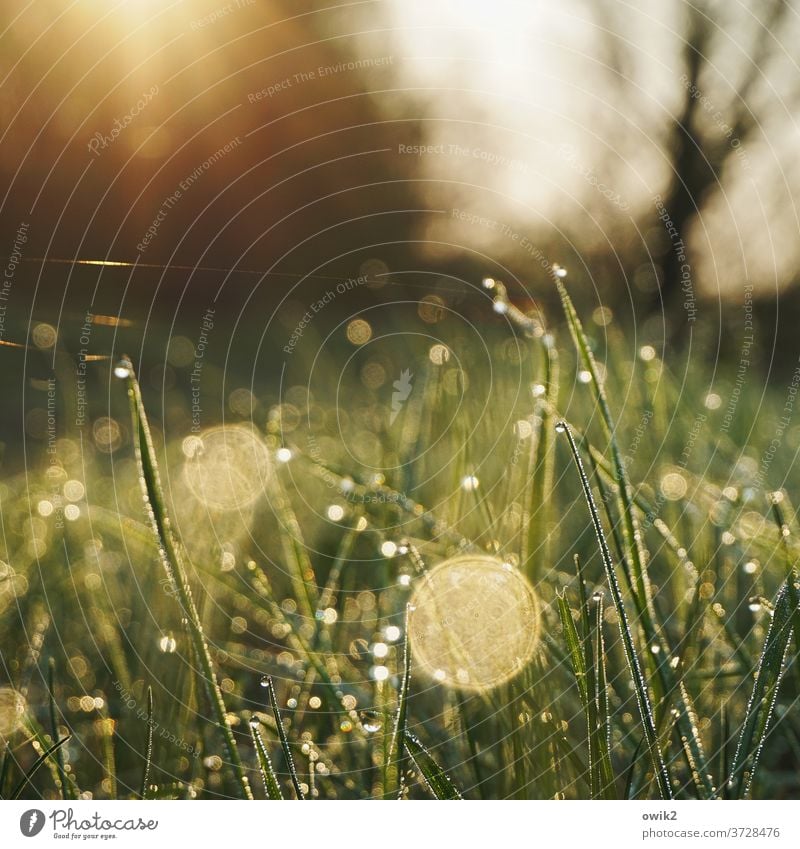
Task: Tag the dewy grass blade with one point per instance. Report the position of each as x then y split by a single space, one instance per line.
271 785
148 755
66 787
170 553
17 792
436 778
398 745
578 661
630 526
775 499
762 700
603 726
287 752
640 685
536 533
634 548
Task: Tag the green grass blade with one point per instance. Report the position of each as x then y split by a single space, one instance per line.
17 792
536 535
148 755
761 704
631 532
172 561
635 556
287 752
576 654
439 783
640 685
602 729
66 787
5 768
271 785
397 748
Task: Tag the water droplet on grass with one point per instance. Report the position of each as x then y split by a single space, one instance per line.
371 721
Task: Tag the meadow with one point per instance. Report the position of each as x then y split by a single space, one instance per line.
252 609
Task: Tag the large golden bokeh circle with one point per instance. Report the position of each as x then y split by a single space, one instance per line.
228 467
473 622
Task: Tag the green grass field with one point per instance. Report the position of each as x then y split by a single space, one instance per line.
224 614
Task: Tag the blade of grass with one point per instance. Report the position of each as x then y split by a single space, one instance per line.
578 661
287 752
536 535
271 785
631 532
17 792
602 729
761 704
640 685
725 749
634 547
148 755
172 561
66 787
5 768
437 780
398 744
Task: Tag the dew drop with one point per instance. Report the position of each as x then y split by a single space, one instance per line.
561 427
264 681
123 369
469 483
370 721
168 644
754 605
500 306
